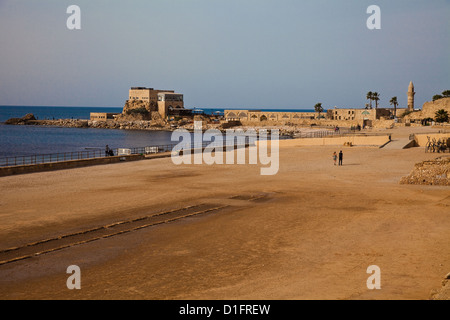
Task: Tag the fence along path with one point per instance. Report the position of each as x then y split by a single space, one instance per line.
99 153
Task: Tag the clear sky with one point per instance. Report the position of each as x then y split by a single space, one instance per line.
223 53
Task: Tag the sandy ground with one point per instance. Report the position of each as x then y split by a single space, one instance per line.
312 237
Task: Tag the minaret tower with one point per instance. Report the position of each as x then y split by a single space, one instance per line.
411 94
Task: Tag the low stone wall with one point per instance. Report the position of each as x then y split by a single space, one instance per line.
422 139
302 122
8 171
353 140
433 172
323 122
388 124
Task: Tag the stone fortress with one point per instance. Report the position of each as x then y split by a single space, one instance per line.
163 101
142 100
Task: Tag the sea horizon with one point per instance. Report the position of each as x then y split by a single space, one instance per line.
83 112
190 108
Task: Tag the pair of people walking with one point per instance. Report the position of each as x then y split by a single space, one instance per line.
341 157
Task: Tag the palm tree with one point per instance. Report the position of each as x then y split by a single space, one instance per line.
441 116
369 96
318 108
376 98
395 104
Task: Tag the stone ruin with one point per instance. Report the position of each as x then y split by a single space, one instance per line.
430 172
444 292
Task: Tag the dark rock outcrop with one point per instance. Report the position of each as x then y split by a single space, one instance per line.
24 120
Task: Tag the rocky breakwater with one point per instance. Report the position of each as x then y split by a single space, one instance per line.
125 122
30 119
129 125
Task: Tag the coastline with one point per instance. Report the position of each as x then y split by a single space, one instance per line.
149 125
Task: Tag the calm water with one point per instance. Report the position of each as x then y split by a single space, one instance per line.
28 140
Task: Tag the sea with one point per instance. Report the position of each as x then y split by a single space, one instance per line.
22 140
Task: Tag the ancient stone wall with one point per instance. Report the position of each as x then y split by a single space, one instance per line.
429 109
432 172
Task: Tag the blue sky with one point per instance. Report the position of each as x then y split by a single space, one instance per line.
223 53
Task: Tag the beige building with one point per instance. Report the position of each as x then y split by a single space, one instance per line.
145 94
163 101
363 117
258 115
103 116
169 102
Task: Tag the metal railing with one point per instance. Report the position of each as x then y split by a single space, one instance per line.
99 153
316 134
51 157
329 133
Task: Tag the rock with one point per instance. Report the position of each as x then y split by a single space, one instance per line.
429 109
138 110
431 172
82 124
28 117
14 121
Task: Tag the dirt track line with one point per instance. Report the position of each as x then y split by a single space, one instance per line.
108 235
95 229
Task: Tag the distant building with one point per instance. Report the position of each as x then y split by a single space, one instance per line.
163 101
169 102
103 116
144 94
259 115
364 117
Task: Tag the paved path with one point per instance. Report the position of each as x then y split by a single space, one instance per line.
397 144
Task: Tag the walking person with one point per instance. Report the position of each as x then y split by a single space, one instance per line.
341 157
335 157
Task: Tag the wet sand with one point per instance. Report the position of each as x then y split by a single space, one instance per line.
309 232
